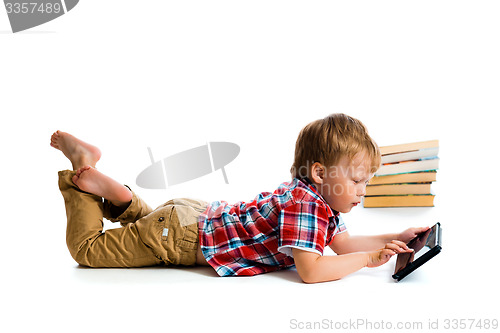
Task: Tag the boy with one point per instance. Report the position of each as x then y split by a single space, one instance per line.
334 159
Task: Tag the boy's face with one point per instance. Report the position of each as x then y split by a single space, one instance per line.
343 185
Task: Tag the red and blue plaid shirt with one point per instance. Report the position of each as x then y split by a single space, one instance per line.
257 237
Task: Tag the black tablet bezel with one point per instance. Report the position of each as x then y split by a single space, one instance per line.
433 251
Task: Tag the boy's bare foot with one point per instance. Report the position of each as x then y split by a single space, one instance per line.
92 181
77 151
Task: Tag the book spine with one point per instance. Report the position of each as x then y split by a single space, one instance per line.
399 201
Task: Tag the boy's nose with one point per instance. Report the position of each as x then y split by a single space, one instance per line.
361 191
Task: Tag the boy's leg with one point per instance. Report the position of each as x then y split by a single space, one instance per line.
134 210
88 245
83 157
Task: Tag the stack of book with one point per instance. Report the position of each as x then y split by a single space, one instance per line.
405 177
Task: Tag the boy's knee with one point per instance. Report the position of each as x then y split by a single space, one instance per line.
79 255
81 251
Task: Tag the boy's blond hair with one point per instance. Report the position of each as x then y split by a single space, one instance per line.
329 139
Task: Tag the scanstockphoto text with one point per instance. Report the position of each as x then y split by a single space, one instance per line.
364 324
32 7
357 174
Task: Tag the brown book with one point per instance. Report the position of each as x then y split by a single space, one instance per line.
426 200
416 177
401 189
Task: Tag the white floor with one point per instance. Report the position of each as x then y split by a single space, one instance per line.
43 287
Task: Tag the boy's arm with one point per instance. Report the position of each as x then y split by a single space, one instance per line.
313 268
344 243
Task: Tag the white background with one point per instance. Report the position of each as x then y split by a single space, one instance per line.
173 75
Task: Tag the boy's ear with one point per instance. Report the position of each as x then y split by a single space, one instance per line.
318 173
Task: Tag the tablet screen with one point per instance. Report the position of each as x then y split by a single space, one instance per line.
422 244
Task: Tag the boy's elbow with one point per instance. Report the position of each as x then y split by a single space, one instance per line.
307 273
311 267
311 277
309 280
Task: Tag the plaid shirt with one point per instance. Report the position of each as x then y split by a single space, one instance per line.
257 237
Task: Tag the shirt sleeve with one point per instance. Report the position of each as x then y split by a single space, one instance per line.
303 226
340 226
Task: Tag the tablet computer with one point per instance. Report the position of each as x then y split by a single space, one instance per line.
426 246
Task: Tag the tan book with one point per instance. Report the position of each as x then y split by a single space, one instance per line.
414 177
401 189
426 200
406 147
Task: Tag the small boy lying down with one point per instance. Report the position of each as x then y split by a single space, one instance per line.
334 160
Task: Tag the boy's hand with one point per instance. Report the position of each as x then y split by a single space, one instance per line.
411 233
380 257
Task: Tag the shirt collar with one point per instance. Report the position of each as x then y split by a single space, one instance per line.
313 188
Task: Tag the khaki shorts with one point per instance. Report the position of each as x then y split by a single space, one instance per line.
166 235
